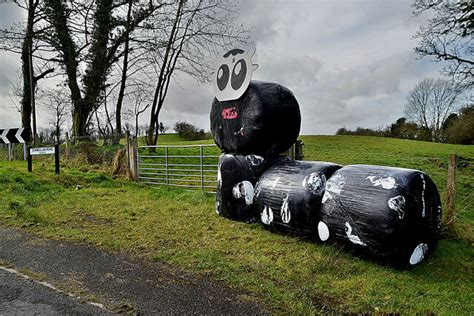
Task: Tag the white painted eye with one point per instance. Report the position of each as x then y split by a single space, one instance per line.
237 68
220 73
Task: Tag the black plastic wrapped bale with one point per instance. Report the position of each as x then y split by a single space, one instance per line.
236 179
265 121
390 214
288 195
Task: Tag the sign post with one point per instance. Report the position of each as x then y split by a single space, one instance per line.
44 151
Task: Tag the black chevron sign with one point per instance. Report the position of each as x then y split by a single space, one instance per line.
13 135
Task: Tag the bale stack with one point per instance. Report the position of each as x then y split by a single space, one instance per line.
387 213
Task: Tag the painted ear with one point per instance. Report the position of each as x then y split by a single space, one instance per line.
252 50
210 76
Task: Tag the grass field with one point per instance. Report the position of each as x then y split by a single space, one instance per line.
285 274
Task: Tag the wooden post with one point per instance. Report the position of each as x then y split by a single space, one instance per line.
451 193
67 146
127 150
133 159
30 160
56 159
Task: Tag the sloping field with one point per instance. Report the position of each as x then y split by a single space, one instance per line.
283 273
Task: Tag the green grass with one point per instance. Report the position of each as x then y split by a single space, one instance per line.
285 274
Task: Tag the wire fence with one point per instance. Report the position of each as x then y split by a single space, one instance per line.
188 166
12 151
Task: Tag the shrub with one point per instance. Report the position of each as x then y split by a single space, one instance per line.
190 132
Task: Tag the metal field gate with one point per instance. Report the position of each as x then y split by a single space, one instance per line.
187 166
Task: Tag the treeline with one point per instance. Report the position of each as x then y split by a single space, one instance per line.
457 129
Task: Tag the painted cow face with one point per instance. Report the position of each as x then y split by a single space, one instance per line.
232 75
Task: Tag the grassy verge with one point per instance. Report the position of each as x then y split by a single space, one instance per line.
286 274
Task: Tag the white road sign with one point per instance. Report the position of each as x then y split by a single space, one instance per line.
42 151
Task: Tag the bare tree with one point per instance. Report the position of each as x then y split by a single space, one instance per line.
58 103
140 97
448 37
24 38
88 38
192 32
430 103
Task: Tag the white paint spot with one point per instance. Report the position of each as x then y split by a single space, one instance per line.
423 212
257 190
285 211
240 131
323 231
335 184
397 204
353 238
275 182
418 254
217 207
438 219
326 196
219 176
267 215
314 183
254 160
244 189
386 183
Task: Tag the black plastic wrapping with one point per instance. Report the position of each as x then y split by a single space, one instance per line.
391 214
236 180
265 121
288 195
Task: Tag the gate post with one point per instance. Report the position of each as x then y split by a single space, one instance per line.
201 162
451 192
132 150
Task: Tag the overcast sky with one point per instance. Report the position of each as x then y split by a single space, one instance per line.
349 63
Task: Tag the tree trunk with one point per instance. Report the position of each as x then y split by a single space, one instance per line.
27 68
57 14
118 108
79 120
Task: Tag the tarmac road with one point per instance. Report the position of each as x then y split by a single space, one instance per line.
20 296
119 282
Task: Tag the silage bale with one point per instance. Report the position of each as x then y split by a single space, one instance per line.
237 175
289 194
265 121
392 214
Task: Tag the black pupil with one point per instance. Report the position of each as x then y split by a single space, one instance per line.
222 77
238 78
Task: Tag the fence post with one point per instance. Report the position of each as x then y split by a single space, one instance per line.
133 158
30 160
202 167
451 193
56 159
67 146
127 149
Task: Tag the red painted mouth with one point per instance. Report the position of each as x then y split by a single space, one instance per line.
229 113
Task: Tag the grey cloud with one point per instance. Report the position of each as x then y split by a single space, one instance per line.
349 63
10 14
